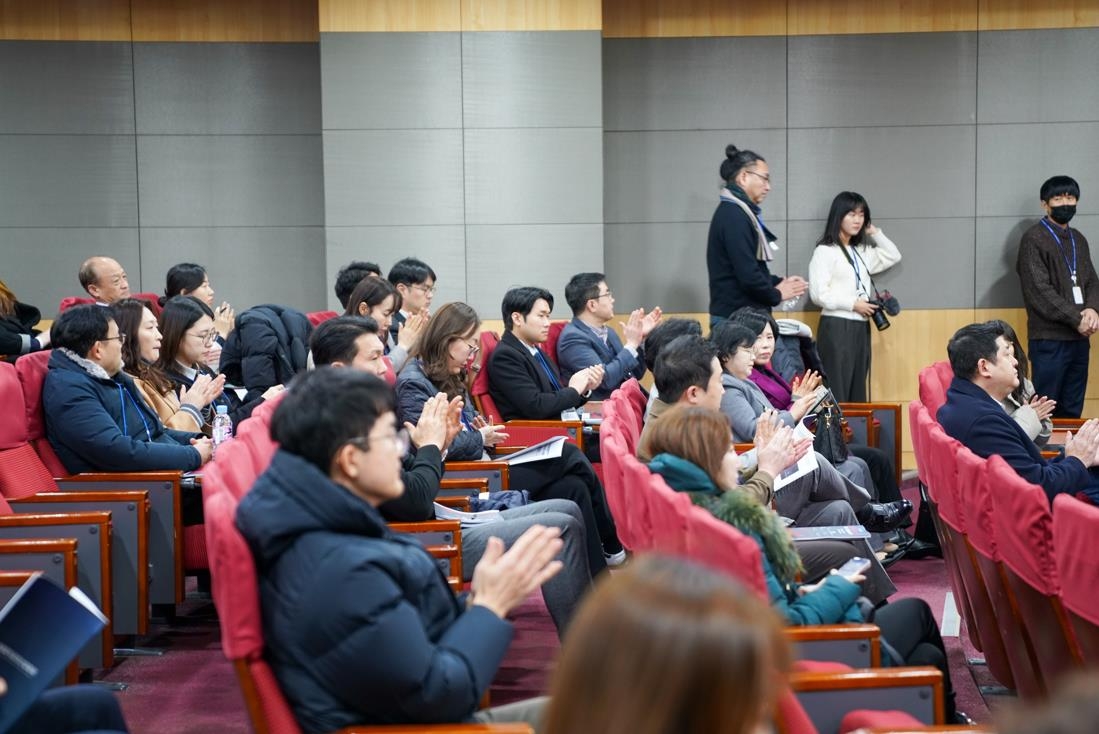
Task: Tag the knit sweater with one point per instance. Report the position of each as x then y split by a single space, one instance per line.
832 284
1047 284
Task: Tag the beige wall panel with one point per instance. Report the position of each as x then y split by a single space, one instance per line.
812 17
225 20
1001 15
532 15
379 16
65 20
688 18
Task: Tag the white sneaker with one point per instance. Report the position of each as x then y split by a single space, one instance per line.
615 559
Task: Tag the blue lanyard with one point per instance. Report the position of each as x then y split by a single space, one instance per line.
121 391
1060 247
854 259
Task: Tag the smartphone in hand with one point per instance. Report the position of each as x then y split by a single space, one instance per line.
854 567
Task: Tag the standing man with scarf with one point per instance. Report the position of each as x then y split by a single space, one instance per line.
739 245
1061 294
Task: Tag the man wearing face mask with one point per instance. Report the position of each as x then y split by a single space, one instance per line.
1061 293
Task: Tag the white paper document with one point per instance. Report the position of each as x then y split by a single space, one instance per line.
551 448
804 465
468 519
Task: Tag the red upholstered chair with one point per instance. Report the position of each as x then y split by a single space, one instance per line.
638 502
1075 527
979 492
319 317
669 511
1024 534
638 400
932 389
612 447
555 329
628 419
151 298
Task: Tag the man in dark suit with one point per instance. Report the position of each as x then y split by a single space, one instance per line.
524 381
587 339
984 367
415 281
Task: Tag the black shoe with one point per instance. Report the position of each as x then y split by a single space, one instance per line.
918 549
961 719
881 518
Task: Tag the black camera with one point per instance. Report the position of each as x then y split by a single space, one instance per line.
881 323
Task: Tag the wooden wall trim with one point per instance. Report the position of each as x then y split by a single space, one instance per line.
532 15
389 16
65 20
1001 15
692 18
225 20
839 17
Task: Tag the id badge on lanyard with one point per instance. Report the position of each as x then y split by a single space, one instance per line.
1077 291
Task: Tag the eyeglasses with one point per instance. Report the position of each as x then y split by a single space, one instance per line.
765 177
751 352
398 440
425 288
608 294
473 348
207 337
121 338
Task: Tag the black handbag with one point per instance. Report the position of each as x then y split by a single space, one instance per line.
829 434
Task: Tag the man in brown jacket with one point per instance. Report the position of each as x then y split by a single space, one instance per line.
1061 294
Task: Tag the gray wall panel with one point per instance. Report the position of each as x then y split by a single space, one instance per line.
231 180
518 255
1039 76
532 79
672 176
68 181
534 176
392 177
391 80
1014 160
227 88
902 79
66 87
938 251
247 265
904 172
442 247
664 264
41 264
694 83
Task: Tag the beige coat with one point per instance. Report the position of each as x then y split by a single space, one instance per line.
182 417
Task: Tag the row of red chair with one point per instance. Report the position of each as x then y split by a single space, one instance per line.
1021 573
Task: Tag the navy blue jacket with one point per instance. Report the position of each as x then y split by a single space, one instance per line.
973 417
103 424
520 386
414 388
578 347
360 624
737 278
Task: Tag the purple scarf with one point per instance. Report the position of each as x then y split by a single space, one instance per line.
776 389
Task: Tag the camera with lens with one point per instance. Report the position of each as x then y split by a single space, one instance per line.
887 304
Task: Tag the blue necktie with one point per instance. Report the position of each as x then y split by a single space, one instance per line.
549 370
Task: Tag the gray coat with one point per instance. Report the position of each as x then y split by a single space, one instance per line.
742 403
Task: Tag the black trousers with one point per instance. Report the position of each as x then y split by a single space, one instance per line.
881 471
908 627
844 347
72 709
571 477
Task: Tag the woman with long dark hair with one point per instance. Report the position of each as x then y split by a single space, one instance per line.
187 328
17 322
692 452
850 251
379 299
179 408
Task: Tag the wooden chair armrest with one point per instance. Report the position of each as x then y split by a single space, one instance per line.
871 427
475 485
505 450
455 503
1050 454
1068 424
572 429
450 552
123 476
838 632
500 728
743 448
801 680
480 467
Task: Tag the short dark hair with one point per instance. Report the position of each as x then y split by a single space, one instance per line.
334 340
410 271
755 319
728 336
350 275
663 333
182 277
686 361
736 161
845 201
581 288
80 327
970 344
326 408
1058 186
521 301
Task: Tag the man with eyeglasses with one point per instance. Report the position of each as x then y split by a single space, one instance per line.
739 245
415 281
104 280
588 339
96 418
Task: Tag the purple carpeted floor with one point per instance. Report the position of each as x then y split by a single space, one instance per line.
192 688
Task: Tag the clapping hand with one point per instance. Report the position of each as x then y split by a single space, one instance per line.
1043 406
806 384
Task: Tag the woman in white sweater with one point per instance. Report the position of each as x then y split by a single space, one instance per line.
849 252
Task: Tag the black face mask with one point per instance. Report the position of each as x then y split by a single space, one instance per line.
1062 214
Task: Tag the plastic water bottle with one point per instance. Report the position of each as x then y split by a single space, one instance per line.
223 426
